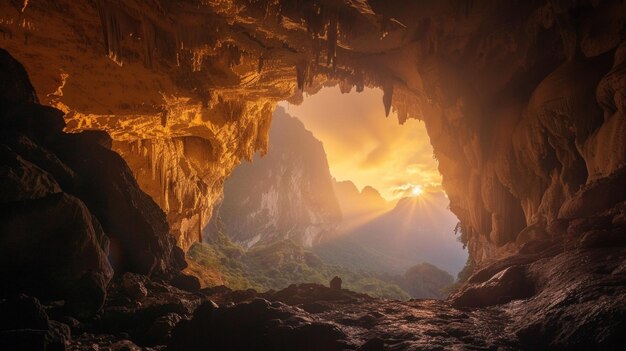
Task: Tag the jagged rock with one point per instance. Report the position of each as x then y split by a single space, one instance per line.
42 160
13 86
286 194
335 283
138 229
186 282
257 325
604 238
160 331
510 284
23 180
133 286
296 294
51 247
24 325
523 101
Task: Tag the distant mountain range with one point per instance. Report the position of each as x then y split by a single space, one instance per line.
289 194
416 229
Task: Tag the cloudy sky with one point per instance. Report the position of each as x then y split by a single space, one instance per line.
365 147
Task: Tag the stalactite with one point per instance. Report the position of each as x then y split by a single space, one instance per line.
149 41
387 97
302 74
331 40
345 86
110 21
261 64
359 81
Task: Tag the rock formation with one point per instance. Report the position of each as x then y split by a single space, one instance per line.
287 194
66 199
523 102
355 203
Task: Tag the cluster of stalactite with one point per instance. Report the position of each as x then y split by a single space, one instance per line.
522 101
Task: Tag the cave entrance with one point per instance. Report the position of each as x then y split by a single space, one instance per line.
342 191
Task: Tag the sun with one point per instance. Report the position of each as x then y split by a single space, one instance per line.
416 191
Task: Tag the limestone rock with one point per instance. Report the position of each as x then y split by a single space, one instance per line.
42 161
286 194
509 284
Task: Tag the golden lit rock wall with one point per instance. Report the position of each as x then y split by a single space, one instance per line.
523 101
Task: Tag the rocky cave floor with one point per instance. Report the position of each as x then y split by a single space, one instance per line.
581 307
143 314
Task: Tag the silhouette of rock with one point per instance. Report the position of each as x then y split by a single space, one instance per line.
335 283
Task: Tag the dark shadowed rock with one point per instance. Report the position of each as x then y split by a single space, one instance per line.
510 284
14 82
86 296
375 344
335 283
133 286
24 325
257 325
51 247
23 312
161 329
39 159
186 282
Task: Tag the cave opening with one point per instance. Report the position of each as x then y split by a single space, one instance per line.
342 191
122 121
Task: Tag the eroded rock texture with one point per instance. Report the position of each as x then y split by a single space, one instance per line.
285 195
523 101
70 209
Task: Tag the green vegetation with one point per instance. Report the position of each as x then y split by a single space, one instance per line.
276 266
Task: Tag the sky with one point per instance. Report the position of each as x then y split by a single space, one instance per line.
365 147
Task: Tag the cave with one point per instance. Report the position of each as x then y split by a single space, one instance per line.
123 121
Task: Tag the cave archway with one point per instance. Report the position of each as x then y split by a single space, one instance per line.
523 102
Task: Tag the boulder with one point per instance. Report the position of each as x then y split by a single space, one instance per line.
24 325
39 160
335 283
133 286
256 325
53 248
186 282
509 284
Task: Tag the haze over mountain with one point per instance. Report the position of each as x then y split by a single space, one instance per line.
290 194
287 194
417 229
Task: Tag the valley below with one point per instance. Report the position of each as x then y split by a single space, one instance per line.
285 220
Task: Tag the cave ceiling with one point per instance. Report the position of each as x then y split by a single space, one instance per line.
523 100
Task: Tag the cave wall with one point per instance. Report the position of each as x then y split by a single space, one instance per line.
523 100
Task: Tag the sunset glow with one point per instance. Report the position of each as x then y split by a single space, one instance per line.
417 190
365 147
